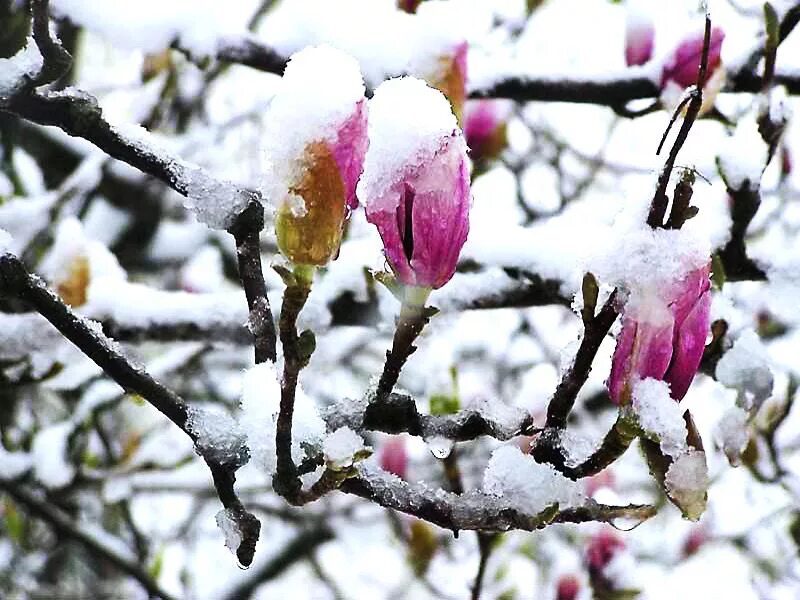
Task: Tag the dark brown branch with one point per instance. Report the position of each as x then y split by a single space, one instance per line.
409 325
286 481
16 281
246 230
474 510
68 528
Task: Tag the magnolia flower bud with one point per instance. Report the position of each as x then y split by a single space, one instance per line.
317 139
415 186
568 588
680 69
663 337
452 78
485 128
639 36
600 551
409 6
393 457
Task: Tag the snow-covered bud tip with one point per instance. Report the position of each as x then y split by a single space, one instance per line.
682 65
316 139
663 336
394 458
415 186
485 128
639 36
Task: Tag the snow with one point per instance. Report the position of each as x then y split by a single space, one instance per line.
5 241
746 368
687 482
203 272
744 156
13 464
394 43
49 454
218 435
25 333
25 63
318 92
214 202
152 25
407 124
645 260
732 433
526 484
660 415
226 521
341 448
258 416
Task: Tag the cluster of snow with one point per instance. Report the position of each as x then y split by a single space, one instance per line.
408 122
687 481
394 43
341 447
744 156
203 273
660 415
319 91
152 25
645 260
49 454
215 202
260 404
14 464
526 484
25 63
732 433
746 368
218 435
226 521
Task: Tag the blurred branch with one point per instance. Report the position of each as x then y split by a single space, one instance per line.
299 548
16 281
68 528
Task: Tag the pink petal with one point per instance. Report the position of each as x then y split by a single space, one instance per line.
689 345
684 63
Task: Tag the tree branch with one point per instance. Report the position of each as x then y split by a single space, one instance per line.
68 528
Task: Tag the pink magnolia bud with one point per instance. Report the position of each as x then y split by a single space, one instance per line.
696 538
663 338
602 548
485 128
316 143
682 66
568 588
639 36
415 185
394 458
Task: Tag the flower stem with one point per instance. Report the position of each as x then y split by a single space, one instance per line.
286 481
413 317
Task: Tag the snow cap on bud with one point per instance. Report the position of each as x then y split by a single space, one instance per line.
663 336
316 139
485 127
393 457
415 186
639 36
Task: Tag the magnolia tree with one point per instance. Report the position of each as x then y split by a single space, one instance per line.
444 299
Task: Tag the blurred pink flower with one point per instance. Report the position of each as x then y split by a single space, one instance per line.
393 458
568 587
602 548
683 64
696 538
424 232
485 127
639 37
663 342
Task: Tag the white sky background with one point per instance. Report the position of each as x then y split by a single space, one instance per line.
510 355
